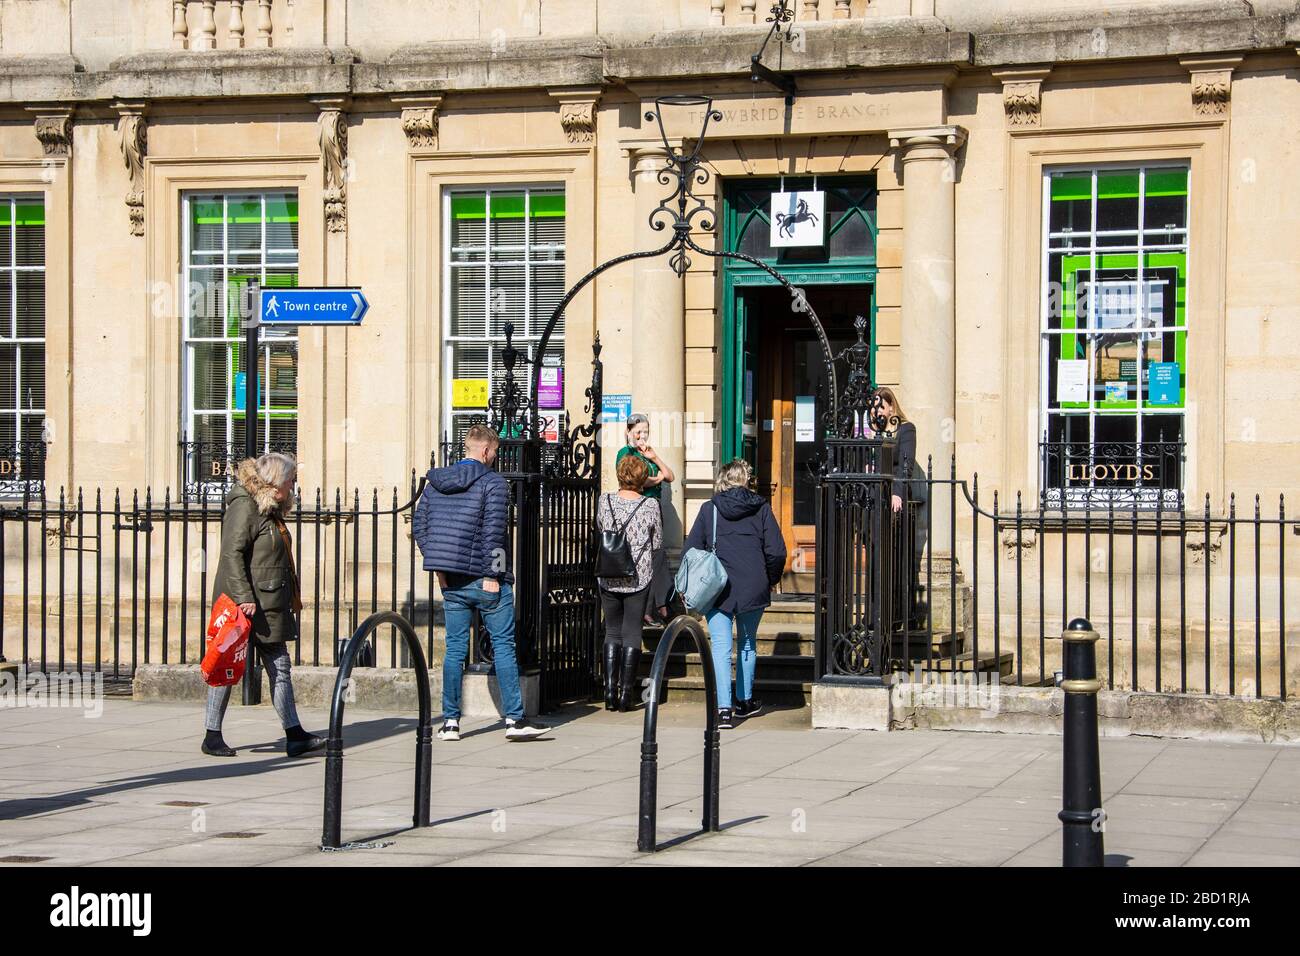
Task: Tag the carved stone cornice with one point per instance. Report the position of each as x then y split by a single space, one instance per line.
134 133
54 128
420 119
332 124
1211 83
578 113
1022 95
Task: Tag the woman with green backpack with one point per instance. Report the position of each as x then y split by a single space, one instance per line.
738 526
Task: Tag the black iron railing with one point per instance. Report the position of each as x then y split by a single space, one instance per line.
1200 600
22 469
1083 474
110 580
1188 600
208 468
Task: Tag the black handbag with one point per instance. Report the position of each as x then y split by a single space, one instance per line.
614 557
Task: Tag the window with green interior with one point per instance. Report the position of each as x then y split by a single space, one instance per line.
1114 336
22 344
503 262
235 243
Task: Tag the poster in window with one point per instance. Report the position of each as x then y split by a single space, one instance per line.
1163 384
798 219
1117 391
1072 380
805 418
550 427
469 393
1118 303
550 387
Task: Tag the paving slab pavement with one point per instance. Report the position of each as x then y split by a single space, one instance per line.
130 788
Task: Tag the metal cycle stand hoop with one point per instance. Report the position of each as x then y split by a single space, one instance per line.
1082 817
645 839
331 833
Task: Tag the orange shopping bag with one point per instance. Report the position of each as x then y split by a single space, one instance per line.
227 654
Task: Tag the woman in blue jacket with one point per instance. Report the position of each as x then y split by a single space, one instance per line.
751 549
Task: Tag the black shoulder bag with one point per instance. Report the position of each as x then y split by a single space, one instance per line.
613 552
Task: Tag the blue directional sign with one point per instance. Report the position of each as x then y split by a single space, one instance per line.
307 306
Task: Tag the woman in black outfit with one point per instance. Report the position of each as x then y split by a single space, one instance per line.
910 484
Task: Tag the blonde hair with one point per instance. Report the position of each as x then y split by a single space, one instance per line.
481 435
261 477
275 468
632 473
734 474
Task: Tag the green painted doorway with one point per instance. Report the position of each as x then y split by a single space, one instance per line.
774 381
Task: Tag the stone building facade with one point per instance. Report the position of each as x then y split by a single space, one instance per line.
983 163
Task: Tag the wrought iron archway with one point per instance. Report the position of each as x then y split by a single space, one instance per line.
555 484
683 212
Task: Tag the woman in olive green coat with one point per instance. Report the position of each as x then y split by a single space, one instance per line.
256 570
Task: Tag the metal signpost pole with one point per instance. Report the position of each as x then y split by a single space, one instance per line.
252 673
290 306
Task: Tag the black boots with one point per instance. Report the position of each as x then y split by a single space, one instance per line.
613 661
628 695
215 746
298 742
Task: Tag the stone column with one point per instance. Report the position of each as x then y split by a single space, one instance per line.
927 380
337 430
659 369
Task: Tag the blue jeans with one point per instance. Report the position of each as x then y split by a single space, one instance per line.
498 612
720 637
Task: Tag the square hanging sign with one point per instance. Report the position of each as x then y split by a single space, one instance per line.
798 219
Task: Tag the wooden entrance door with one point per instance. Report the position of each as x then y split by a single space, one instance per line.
790 396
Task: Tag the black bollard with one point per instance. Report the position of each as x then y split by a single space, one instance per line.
332 823
1082 817
646 815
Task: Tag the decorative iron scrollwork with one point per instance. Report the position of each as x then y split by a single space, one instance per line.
857 652
509 406
861 407
577 455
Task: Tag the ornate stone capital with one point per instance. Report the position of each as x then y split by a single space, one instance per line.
333 127
578 113
1211 83
1022 95
931 142
133 131
420 119
648 156
54 128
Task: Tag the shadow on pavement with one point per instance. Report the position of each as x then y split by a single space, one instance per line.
219 768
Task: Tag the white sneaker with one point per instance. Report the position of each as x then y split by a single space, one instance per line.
450 730
524 729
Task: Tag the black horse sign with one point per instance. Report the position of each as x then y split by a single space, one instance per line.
796 218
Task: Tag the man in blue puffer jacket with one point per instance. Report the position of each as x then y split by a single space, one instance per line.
460 525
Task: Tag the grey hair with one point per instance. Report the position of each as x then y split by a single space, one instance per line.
637 419
275 468
734 474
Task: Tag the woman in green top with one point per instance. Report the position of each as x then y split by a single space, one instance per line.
638 444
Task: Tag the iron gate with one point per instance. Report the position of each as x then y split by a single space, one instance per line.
553 492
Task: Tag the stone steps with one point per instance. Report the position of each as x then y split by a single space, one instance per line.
782 675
